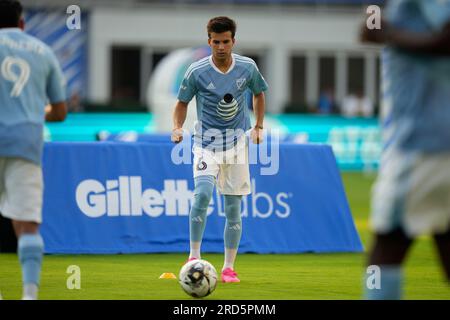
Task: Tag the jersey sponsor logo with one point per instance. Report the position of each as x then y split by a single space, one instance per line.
227 107
125 197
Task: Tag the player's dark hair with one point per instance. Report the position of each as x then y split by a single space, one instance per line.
220 25
10 13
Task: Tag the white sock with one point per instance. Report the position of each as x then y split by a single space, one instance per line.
30 291
230 256
195 250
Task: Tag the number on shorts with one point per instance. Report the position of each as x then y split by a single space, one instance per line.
19 80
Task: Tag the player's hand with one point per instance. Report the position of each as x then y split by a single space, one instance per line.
256 135
177 135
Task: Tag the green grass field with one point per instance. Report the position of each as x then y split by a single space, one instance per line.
290 276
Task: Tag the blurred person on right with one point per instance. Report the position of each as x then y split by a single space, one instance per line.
411 196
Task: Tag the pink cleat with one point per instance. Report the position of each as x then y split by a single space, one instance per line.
228 275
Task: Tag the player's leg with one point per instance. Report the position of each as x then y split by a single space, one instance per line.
390 248
204 186
388 253
205 170
431 203
390 215
22 202
441 209
408 196
233 229
30 249
233 183
24 227
442 241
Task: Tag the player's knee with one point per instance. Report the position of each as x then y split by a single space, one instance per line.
234 212
395 238
202 198
390 248
204 187
25 227
203 194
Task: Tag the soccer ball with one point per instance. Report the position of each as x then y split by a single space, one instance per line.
198 278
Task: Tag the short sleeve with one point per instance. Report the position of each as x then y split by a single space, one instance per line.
56 83
188 88
257 84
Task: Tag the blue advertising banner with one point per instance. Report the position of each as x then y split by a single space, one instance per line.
114 197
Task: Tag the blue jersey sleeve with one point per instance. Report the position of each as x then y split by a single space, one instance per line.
257 83
56 83
436 12
188 87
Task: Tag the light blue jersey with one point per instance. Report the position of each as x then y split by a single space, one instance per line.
221 99
30 78
416 88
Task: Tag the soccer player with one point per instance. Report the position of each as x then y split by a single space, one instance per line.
30 77
412 192
220 82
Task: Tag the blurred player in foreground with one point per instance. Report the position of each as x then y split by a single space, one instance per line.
219 83
412 193
30 77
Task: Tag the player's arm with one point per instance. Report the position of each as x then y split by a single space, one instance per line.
56 112
258 85
179 116
188 89
259 106
434 43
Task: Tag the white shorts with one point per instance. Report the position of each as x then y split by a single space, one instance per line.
412 191
231 168
21 190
